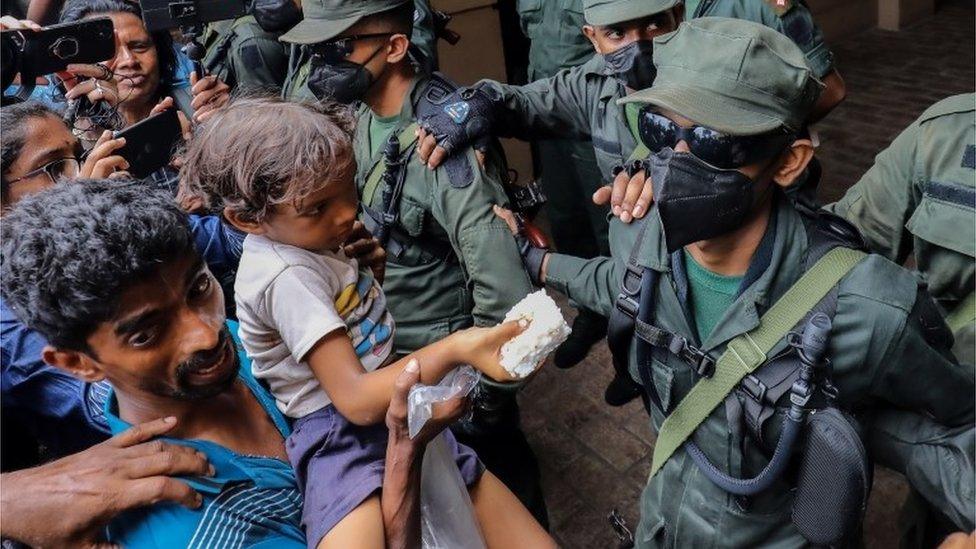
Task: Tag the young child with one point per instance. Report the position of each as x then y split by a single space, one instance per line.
315 325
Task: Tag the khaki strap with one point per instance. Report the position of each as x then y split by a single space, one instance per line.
748 351
407 138
963 315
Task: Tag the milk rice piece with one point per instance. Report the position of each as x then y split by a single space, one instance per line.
547 329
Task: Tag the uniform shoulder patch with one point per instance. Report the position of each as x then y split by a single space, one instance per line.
459 171
780 7
969 157
251 56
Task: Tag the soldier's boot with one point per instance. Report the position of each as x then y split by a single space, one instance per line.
588 329
621 390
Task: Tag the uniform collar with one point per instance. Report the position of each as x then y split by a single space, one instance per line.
230 467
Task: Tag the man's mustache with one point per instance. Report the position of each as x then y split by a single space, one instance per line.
203 359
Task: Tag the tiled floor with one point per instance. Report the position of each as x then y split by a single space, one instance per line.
593 457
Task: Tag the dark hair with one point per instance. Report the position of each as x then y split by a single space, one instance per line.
398 20
261 151
68 253
76 10
13 120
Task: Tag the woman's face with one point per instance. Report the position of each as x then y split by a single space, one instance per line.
136 63
47 140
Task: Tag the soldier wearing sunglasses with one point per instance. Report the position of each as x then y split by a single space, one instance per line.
722 247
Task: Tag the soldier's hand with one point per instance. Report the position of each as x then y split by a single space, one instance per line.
101 162
68 502
959 540
630 196
465 120
363 247
209 94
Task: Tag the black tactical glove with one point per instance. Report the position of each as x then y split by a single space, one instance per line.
533 249
465 117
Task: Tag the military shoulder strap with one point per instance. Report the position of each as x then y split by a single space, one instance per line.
748 351
963 315
407 139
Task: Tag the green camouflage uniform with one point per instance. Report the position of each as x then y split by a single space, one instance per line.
245 56
888 350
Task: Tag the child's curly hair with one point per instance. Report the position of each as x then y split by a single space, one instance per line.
261 151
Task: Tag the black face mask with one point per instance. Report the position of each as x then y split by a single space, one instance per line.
633 64
344 81
696 201
276 15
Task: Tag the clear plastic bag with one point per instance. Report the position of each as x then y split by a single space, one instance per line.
446 514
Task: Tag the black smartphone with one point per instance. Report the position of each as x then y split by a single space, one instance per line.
171 14
53 48
149 143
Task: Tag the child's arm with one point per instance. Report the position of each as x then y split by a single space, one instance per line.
363 397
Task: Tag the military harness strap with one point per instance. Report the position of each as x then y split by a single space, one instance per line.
963 315
748 351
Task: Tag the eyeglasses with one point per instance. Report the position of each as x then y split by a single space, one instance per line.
719 149
55 170
333 51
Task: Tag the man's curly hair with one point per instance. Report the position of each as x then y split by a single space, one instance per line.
68 253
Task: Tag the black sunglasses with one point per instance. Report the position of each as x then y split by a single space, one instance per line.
333 51
721 150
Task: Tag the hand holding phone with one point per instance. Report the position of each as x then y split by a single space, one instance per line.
149 143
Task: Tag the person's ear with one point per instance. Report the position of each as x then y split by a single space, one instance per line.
75 363
793 162
589 31
678 12
397 48
242 223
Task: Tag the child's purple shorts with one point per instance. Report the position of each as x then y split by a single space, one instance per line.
344 463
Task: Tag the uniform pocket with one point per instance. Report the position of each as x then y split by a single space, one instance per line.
530 15
945 217
663 377
412 216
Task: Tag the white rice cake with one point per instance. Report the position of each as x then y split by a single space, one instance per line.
547 329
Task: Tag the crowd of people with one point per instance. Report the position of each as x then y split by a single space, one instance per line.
221 353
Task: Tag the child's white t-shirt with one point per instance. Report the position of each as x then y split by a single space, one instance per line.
288 299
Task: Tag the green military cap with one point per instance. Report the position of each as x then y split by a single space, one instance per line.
325 19
731 75
611 12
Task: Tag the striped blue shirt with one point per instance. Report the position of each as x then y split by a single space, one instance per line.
252 501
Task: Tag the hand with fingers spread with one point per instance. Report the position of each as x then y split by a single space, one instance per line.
364 248
630 197
68 502
209 94
101 163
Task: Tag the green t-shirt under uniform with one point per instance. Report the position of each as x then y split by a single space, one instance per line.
711 295
380 129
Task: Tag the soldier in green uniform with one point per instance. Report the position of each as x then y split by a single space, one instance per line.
451 262
722 270
919 198
244 55
581 102
423 42
567 167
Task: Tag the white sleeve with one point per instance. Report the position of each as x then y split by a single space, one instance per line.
300 304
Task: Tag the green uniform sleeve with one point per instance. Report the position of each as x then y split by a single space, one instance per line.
482 242
258 63
882 201
556 107
798 24
591 283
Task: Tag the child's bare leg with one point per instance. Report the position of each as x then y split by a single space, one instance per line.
504 521
360 529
